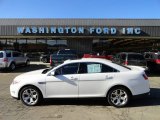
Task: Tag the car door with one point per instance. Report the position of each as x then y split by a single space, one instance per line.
64 83
16 57
94 78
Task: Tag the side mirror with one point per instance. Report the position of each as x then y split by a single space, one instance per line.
53 73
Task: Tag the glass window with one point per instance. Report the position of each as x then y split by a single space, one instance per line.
67 69
16 54
62 42
11 44
106 68
1 54
51 42
22 45
22 41
41 41
95 68
8 54
135 57
2 44
31 41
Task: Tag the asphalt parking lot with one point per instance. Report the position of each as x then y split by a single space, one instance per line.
76 109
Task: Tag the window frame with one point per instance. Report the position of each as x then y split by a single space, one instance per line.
66 65
102 64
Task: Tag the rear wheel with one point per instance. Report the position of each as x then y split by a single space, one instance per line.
12 66
118 97
30 96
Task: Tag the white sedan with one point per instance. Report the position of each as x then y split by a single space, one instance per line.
83 78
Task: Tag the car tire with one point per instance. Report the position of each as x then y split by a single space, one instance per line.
12 67
30 96
118 97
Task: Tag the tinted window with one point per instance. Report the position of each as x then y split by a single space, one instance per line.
16 54
67 69
1 55
135 57
123 56
158 56
8 54
106 68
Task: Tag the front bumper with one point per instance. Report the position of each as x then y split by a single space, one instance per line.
14 90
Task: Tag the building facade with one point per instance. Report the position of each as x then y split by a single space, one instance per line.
83 35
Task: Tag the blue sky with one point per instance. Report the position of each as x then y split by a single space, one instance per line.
79 8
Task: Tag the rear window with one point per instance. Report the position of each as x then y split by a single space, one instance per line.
1 54
135 57
158 56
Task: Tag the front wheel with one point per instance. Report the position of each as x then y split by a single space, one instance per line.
118 97
30 96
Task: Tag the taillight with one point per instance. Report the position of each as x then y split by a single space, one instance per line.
5 60
158 61
145 76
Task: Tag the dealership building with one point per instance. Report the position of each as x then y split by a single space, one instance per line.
83 35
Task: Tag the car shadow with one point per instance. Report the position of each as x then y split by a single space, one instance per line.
152 100
22 69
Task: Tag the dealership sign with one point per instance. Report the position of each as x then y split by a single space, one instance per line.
80 30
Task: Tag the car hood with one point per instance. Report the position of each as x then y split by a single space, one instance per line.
37 74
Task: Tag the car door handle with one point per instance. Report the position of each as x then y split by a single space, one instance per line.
74 79
109 77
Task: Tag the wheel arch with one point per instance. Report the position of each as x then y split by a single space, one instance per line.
28 86
115 86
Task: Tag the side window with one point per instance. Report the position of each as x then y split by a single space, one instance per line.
95 68
8 54
67 69
90 68
1 54
16 54
106 68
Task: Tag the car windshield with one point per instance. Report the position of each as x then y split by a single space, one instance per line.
1 54
135 57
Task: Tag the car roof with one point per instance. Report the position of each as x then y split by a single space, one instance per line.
88 60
